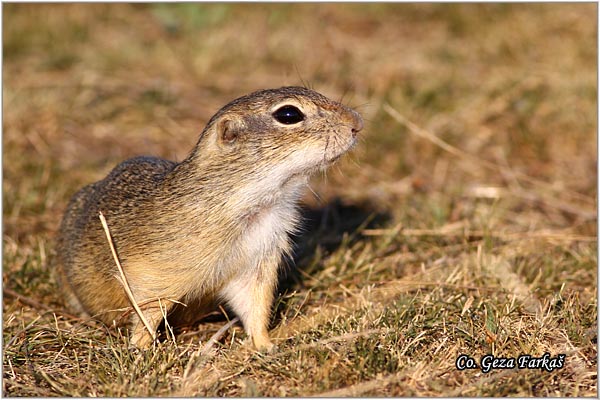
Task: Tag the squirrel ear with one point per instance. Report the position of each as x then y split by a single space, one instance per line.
227 131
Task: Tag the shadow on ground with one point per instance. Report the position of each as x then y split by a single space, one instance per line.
326 228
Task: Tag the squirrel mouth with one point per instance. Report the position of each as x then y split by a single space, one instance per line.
339 149
333 151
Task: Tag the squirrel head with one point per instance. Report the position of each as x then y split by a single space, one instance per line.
278 133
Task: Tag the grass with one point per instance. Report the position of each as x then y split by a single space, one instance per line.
464 223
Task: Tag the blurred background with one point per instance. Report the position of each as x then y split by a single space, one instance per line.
86 86
479 118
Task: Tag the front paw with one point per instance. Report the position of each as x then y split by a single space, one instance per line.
264 345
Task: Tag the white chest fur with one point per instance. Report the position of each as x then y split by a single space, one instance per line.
266 233
270 216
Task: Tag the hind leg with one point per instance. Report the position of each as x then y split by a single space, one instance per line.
154 314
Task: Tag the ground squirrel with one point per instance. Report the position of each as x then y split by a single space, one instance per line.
215 225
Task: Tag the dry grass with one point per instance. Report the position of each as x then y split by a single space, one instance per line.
465 223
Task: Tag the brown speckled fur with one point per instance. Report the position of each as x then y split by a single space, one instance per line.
213 226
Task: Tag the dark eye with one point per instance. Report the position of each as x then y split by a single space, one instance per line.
288 115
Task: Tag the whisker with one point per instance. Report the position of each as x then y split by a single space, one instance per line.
314 193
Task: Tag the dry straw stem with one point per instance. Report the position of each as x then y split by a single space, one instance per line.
187 386
6 292
206 349
358 389
464 231
123 279
549 200
26 300
214 338
325 341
